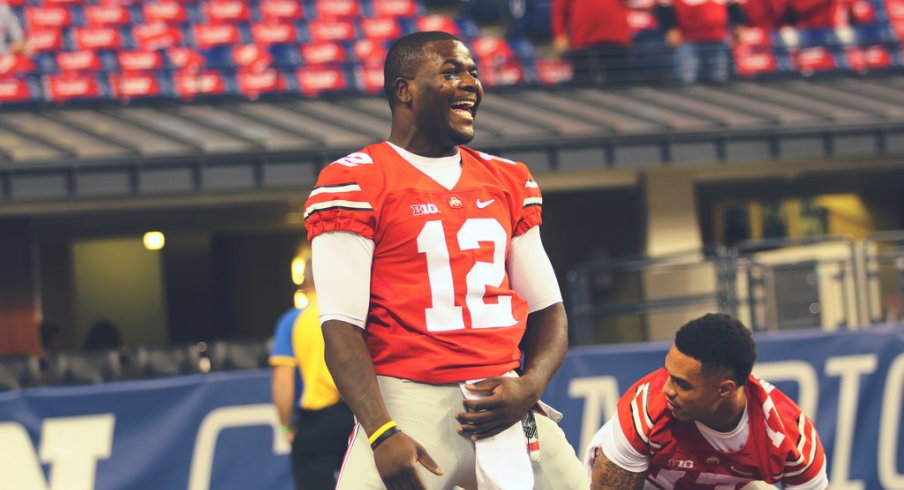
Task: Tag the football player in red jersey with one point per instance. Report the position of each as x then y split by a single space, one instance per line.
704 422
430 271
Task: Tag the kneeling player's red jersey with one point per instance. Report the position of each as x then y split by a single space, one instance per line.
441 306
782 444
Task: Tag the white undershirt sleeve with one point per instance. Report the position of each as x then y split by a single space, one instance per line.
612 441
530 272
342 262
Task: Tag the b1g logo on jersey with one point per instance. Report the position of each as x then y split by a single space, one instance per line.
686 464
422 209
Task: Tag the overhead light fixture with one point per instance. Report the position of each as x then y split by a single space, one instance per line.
154 240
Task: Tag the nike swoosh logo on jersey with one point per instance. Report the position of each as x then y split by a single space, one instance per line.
483 204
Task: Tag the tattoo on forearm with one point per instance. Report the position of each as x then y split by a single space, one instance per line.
357 389
609 476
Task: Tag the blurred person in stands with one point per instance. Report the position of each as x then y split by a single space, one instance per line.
430 271
703 421
594 35
315 420
766 14
51 337
12 37
699 32
104 334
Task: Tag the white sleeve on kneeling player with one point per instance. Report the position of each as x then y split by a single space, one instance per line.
342 262
612 441
530 272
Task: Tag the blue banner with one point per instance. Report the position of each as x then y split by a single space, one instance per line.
217 430
220 430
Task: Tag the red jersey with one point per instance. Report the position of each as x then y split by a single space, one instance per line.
590 22
701 20
782 443
441 306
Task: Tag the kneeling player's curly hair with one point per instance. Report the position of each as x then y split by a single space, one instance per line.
721 343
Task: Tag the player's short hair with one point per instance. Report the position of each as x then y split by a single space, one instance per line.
404 57
720 343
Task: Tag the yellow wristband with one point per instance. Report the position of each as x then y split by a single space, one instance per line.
388 425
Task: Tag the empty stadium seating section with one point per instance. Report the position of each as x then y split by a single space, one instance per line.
129 49
145 362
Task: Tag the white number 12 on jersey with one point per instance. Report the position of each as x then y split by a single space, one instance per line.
444 314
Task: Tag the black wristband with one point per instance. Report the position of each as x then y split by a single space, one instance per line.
386 435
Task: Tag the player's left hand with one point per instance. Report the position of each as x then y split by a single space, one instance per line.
505 401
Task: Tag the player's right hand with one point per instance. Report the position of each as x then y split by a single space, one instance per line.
397 459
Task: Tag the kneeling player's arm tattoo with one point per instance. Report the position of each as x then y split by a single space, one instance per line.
609 476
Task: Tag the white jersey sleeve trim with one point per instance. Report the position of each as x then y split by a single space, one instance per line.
342 262
612 441
531 273
820 482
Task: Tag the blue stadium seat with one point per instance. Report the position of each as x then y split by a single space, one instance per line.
229 355
86 367
169 360
19 371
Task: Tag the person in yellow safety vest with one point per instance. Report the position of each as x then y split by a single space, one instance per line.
315 420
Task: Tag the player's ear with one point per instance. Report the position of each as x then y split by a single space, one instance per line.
403 89
727 387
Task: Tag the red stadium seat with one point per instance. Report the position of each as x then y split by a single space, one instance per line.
190 84
167 11
755 36
251 57
438 23
492 51
45 40
274 33
370 52
252 84
369 78
281 10
552 71
870 58
79 61
186 59
69 86
211 35
895 9
322 53
226 11
331 9
813 59
129 85
641 20
97 37
64 3
752 60
15 64
17 90
134 61
507 73
40 18
314 80
863 12
327 30
116 15
150 37
395 8
381 28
